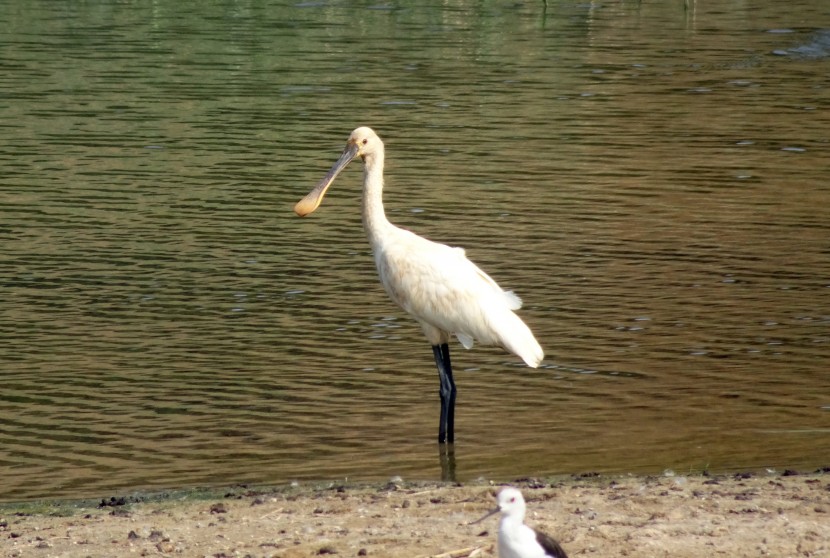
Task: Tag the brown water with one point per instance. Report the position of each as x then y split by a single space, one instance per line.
653 182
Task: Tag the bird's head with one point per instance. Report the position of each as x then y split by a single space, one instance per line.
363 142
511 501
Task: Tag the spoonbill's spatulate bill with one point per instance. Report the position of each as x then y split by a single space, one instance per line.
517 540
447 293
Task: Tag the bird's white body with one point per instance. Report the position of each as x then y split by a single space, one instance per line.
447 293
437 284
517 540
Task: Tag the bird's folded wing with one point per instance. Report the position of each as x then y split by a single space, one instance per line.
438 285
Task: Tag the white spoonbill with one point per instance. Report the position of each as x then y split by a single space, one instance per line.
435 283
517 540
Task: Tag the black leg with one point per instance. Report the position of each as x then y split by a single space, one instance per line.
446 428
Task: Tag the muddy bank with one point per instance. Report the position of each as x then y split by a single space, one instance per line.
783 515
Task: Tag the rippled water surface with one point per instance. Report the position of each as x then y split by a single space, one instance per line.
654 182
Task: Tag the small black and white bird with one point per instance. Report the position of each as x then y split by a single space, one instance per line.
517 540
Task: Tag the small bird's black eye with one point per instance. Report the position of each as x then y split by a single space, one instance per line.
365 141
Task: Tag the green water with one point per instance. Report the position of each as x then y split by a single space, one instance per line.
651 180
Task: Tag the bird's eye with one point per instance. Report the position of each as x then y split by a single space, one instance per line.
365 141
512 500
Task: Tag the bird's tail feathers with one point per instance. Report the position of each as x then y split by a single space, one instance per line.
528 349
516 337
513 300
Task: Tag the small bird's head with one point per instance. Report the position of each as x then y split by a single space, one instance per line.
511 501
510 504
363 142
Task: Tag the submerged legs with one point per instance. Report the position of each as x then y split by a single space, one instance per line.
446 428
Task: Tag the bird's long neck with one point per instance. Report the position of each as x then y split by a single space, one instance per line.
374 219
512 522
514 519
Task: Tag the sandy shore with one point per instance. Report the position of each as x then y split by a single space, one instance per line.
779 515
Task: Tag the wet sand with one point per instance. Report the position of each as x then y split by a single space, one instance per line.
743 515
